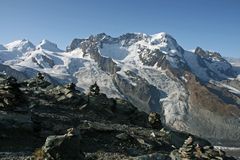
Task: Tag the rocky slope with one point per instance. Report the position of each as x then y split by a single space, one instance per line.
39 120
196 92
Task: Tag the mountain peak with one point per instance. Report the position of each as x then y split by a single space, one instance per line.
161 34
20 45
49 46
163 39
215 56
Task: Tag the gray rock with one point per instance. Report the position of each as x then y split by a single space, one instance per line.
63 147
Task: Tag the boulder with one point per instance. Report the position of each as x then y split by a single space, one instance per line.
63 147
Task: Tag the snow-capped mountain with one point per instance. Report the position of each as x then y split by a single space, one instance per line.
196 92
20 45
49 46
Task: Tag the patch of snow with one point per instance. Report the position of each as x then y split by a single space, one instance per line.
184 79
115 51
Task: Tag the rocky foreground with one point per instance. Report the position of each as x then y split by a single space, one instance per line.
41 121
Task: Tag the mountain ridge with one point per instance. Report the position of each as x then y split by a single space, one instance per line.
154 73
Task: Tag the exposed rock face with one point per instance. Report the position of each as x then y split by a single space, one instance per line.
220 91
90 47
211 114
43 61
139 92
151 58
216 67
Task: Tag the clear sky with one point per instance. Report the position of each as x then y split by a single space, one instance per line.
210 24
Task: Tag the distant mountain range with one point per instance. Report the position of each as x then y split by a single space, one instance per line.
194 91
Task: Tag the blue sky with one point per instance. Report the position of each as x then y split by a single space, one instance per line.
210 24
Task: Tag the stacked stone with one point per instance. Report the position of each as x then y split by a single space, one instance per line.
40 76
187 149
71 86
94 90
67 94
64 93
10 93
154 120
210 153
39 81
69 90
198 151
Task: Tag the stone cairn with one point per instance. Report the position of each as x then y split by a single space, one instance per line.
40 76
154 120
187 149
94 90
71 86
68 91
209 152
10 93
38 82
